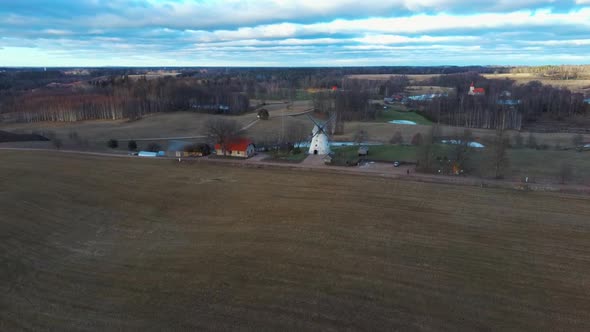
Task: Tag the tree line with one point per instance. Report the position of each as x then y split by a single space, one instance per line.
122 97
504 105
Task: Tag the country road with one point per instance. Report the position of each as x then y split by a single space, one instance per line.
313 163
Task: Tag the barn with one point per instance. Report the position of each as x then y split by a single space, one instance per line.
241 147
179 149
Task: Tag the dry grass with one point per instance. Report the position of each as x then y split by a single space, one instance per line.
129 244
428 89
161 125
577 85
385 77
382 132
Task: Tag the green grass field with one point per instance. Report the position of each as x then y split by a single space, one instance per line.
541 165
388 153
546 164
283 156
392 114
128 244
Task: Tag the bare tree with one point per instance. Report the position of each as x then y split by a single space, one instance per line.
497 155
566 172
222 131
297 133
417 139
461 152
531 141
57 143
425 157
426 153
518 140
360 135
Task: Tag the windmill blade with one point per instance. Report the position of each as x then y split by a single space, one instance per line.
314 121
325 124
332 117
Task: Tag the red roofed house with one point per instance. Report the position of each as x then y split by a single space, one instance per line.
241 147
473 91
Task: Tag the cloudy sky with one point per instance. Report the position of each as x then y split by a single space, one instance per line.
293 33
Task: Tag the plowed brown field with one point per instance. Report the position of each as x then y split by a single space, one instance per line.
93 243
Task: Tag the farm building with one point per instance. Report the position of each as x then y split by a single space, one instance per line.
363 151
242 147
473 91
150 154
176 148
185 149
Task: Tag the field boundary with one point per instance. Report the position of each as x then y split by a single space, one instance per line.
413 177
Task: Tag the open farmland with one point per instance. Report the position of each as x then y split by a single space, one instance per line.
163 125
385 77
575 85
186 124
94 243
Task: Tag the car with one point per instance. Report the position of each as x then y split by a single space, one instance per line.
396 164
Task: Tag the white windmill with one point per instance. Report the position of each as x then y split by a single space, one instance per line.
320 143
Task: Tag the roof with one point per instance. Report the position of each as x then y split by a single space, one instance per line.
147 154
240 144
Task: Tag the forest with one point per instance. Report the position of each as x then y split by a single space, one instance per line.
504 105
118 97
69 94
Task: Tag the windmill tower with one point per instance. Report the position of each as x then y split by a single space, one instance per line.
320 143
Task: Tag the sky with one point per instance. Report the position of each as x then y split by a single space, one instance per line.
73 33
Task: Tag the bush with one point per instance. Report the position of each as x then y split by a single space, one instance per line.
531 142
518 141
566 172
73 135
202 148
397 138
578 140
56 143
113 143
153 147
297 150
417 139
132 145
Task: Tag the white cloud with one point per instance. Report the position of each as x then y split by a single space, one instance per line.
304 32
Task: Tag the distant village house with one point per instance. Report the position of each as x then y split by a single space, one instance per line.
473 91
242 148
